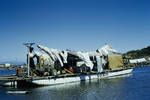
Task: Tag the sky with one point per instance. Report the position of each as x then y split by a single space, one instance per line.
72 24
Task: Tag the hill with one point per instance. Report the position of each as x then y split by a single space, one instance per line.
144 52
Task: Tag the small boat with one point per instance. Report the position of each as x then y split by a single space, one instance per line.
17 92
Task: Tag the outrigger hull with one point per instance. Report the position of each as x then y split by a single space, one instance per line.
61 80
47 81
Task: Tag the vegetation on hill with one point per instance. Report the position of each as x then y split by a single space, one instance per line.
145 52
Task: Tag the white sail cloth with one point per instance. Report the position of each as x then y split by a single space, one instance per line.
47 51
31 54
106 49
53 53
64 55
99 61
46 57
85 57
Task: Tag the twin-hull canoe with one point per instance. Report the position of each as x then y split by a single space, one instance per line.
46 81
62 80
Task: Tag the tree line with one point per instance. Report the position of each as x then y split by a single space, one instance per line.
140 53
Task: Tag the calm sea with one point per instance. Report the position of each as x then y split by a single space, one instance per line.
135 86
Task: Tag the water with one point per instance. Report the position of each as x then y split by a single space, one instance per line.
130 87
7 72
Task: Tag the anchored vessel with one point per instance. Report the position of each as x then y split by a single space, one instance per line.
47 66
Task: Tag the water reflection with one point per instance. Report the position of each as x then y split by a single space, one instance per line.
92 90
128 87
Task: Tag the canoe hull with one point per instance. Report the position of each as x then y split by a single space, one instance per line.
53 81
47 81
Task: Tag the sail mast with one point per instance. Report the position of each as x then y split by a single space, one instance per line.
29 46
